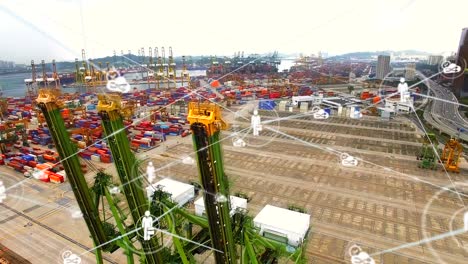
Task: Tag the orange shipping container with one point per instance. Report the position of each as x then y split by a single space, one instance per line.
215 84
42 166
55 178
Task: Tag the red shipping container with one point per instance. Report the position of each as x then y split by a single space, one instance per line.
55 178
45 178
92 149
32 164
106 159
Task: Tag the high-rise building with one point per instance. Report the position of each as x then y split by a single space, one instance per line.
435 59
410 71
460 84
383 66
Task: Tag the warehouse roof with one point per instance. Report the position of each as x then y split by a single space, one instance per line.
283 219
175 188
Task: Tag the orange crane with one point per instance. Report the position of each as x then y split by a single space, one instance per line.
25 123
86 133
55 75
185 75
451 155
172 67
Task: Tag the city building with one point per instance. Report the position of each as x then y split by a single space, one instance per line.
460 84
435 59
410 71
383 66
7 65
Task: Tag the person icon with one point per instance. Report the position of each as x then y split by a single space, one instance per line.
2 192
256 123
403 90
147 225
150 172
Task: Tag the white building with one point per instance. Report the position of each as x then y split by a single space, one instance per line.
181 193
236 202
396 106
282 225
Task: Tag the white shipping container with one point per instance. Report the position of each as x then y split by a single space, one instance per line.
279 222
95 157
236 202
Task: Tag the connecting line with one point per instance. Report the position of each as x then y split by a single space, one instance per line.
160 230
368 162
188 240
438 156
412 86
82 23
442 100
31 25
177 161
128 233
287 118
106 137
41 204
423 241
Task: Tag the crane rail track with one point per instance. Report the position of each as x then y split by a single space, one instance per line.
71 240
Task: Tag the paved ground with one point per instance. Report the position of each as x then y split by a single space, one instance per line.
379 204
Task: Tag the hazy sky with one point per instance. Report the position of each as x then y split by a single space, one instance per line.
48 29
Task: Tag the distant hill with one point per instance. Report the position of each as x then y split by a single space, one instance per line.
372 54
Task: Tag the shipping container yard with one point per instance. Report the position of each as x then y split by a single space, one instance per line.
299 154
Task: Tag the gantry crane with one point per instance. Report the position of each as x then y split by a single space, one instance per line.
32 85
49 104
428 155
86 133
185 74
171 74
44 74
143 61
226 232
159 67
206 123
55 75
165 65
451 154
151 69
110 109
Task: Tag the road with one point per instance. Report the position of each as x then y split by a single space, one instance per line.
444 113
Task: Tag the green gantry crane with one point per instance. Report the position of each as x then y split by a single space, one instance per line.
111 111
228 234
206 123
427 154
49 104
